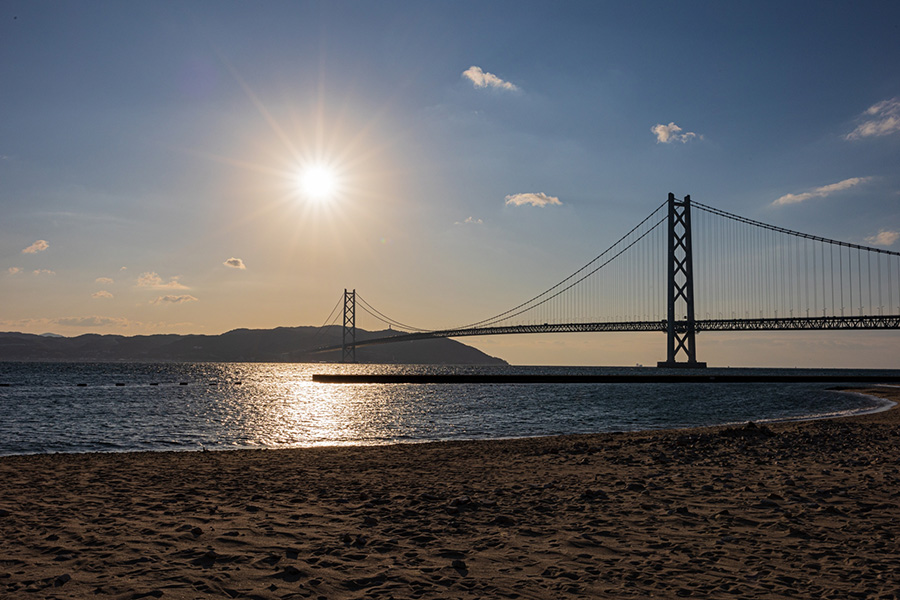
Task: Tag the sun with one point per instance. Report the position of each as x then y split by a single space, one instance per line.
318 182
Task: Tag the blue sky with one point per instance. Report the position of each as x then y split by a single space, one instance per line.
148 143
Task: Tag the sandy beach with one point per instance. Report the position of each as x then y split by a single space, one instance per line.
790 510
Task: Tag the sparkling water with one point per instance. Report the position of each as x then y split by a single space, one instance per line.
109 407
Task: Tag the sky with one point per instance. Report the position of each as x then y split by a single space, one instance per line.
153 156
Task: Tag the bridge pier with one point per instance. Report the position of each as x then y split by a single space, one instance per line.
680 325
348 338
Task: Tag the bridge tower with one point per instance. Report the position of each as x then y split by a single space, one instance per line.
680 330
348 339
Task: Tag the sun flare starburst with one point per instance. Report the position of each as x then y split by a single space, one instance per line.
318 182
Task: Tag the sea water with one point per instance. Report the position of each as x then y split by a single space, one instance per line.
111 407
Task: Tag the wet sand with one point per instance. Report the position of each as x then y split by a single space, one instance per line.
793 510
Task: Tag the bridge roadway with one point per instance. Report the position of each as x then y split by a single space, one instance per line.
761 324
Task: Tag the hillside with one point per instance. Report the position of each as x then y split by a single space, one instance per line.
284 344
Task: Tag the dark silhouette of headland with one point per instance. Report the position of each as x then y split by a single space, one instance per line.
283 344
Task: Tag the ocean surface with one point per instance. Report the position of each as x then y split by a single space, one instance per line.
115 407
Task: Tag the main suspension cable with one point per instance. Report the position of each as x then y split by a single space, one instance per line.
386 319
509 312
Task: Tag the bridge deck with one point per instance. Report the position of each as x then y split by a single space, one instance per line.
700 325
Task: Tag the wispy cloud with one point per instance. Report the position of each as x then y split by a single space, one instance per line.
539 199
174 299
101 294
884 238
154 281
93 321
821 192
14 270
103 280
483 79
89 323
880 119
666 134
44 272
38 246
235 263
470 221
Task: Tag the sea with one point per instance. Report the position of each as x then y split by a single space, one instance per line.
127 407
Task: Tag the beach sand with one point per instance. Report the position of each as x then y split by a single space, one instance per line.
793 510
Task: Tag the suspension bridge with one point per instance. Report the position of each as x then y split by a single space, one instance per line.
685 269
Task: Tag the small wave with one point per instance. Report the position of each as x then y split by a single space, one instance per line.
879 405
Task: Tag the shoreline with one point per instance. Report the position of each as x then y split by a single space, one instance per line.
885 403
798 509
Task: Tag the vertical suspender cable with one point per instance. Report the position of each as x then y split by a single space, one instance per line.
824 287
769 287
791 278
760 272
781 249
735 284
859 267
869 271
850 276
841 267
739 270
815 282
745 269
806 275
890 287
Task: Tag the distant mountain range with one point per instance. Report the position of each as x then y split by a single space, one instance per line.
284 344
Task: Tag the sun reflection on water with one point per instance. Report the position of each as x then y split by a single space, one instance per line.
243 405
317 415
284 407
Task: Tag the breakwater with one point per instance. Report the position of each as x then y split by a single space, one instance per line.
478 378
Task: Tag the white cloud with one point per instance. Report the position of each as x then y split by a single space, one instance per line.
666 134
174 299
534 199
38 246
880 119
149 279
470 221
44 272
235 263
154 281
821 192
101 294
103 280
884 238
14 270
482 79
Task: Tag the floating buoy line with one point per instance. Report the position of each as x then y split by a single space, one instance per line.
152 383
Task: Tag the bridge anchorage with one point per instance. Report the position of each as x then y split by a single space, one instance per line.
752 277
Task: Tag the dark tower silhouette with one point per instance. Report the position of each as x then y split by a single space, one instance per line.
680 328
348 339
